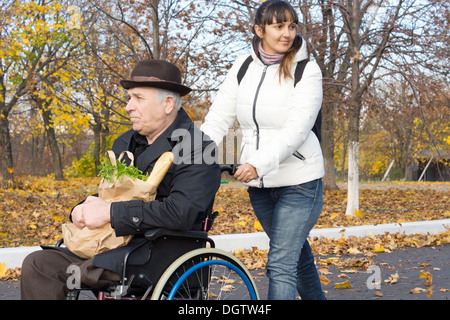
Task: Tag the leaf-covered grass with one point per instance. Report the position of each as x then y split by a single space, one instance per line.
33 212
392 203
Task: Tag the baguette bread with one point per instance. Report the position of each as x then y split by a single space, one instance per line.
160 168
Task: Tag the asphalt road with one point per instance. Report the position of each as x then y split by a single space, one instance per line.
407 263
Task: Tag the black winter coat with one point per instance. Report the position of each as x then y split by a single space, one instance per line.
185 195
187 191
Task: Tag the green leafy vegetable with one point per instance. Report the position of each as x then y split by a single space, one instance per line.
106 171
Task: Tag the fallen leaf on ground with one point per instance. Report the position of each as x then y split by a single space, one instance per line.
9 274
3 270
417 290
378 248
342 285
324 280
427 276
257 225
393 278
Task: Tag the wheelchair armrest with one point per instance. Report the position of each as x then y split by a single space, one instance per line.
155 233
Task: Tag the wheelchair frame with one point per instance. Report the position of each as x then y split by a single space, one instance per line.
189 276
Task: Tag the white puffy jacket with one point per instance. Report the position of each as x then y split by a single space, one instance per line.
275 120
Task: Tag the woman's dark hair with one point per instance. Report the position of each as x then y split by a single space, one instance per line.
282 12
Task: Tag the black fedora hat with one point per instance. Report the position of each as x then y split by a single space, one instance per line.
157 74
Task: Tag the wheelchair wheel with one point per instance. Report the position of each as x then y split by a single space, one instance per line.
206 274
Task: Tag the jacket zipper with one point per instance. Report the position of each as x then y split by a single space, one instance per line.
261 184
299 155
254 106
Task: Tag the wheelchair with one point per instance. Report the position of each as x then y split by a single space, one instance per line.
179 266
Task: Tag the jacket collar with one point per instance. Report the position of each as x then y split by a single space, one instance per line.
301 54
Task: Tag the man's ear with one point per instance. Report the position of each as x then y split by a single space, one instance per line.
170 105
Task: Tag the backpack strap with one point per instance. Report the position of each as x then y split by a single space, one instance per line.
317 128
299 71
243 69
297 77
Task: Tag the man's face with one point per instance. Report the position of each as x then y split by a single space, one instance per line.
148 116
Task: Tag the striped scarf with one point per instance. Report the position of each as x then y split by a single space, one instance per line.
269 58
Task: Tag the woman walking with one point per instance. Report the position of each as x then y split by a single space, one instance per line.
280 154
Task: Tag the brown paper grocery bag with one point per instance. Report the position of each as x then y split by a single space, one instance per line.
87 243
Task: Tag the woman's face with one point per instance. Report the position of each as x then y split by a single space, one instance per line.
277 37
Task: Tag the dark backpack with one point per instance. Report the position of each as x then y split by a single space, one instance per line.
297 77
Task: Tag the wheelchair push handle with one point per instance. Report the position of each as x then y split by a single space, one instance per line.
209 219
231 169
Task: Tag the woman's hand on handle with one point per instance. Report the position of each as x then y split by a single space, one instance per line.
246 173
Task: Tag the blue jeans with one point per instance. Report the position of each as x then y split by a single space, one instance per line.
287 215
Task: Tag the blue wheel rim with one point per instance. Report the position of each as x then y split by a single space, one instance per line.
207 263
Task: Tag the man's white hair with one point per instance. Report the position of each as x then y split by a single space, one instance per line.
162 94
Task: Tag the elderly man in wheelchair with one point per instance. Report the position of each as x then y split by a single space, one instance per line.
173 225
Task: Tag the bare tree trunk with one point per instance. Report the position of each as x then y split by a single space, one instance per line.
155 25
328 107
6 164
97 144
329 180
353 24
353 178
52 142
355 107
